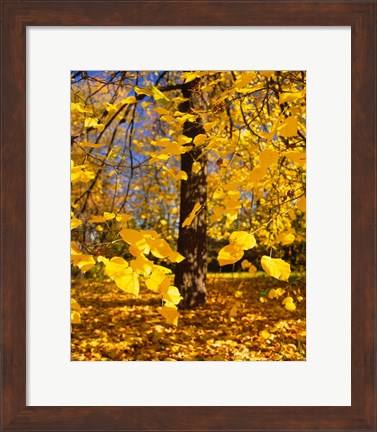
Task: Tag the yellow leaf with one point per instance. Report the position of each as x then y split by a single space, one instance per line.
75 248
182 175
178 114
233 311
251 89
111 107
176 257
134 251
81 173
298 158
268 157
242 239
161 111
209 87
269 135
160 248
275 293
287 300
190 76
301 204
179 99
285 238
75 318
289 304
116 263
129 282
108 216
218 212
74 305
276 268
288 127
160 97
170 293
97 219
183 139
252 269
144 91
136 239
191 216
142 265
186 117
89 144
289 97
92 122
279 292
161 142
129 100
200 139
230 254
80 108
208 126
244 79
167 118
122 217
245 264
75 223
82 261
267 74
124 276
161 269
196 167
173 148
155 280
265 334
150 235
257 173
170 313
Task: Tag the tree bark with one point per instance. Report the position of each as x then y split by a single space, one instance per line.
190 274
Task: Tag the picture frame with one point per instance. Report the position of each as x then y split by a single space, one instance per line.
17 15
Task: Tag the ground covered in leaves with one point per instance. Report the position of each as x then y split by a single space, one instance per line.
242 320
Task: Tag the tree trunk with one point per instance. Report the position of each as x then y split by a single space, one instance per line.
190 274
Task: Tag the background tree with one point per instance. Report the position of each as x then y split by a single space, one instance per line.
190 274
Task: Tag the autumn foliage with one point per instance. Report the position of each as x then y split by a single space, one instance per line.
174 173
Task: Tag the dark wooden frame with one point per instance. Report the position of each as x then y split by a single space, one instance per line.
16 16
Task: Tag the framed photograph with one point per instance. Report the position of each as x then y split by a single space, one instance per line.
151 139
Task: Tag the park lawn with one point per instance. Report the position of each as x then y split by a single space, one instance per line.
240 322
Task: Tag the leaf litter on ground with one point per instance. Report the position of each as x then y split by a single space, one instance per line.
245 319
